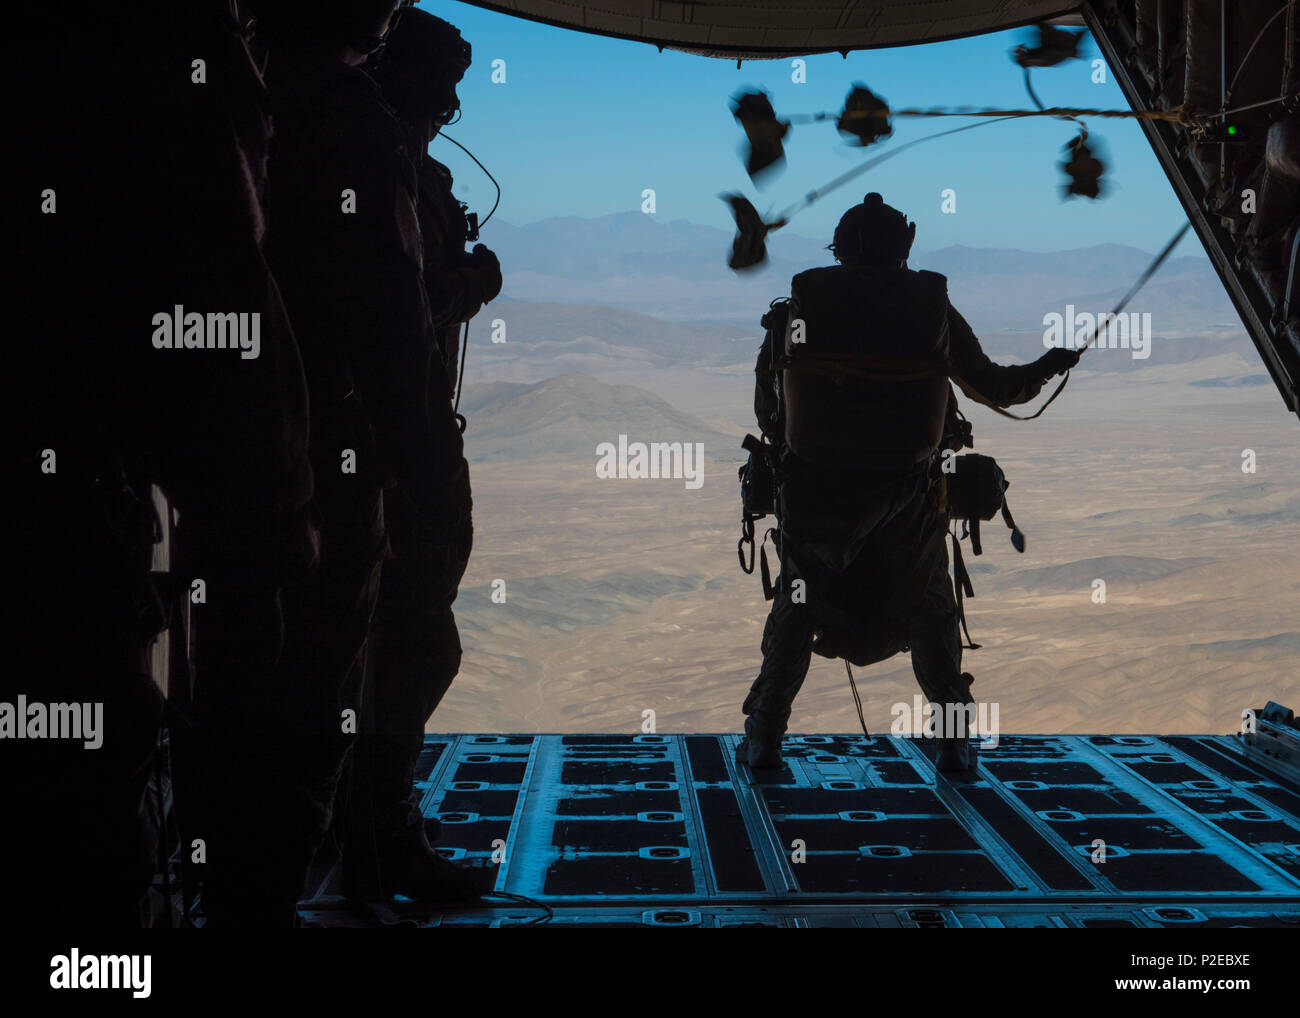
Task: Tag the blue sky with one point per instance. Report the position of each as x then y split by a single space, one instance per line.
584 123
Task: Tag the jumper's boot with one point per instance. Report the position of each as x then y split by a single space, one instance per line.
760 749
411 867
956 754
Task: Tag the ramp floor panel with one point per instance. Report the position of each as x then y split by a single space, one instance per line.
668 830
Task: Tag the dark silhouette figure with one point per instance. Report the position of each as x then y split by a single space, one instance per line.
415 649
344 243
862 527
141 109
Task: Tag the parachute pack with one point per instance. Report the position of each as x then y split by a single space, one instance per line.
973 485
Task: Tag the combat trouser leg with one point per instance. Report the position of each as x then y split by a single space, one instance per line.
276 743
414 652
825 523
413 656
936 660
787 653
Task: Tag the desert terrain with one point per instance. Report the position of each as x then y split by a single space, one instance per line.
624 595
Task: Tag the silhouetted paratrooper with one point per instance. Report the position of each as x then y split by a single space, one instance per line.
863 353
415 649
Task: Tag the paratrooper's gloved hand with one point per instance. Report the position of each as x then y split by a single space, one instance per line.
1056 362
483 270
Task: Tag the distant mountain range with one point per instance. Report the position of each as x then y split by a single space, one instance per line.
1232 383
677 272
569 416
547 339
553 339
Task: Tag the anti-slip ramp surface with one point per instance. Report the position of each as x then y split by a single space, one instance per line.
666 830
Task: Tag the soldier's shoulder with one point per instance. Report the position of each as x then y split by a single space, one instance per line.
333 99
428 164
932 286
434 173
813 276
820 271
932 278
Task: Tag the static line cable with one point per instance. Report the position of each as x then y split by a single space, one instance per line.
1029 87
1142 280
1033 96
844 178
749 246
1253 106
1102 320
1176 115
548 913
1250 52
857 700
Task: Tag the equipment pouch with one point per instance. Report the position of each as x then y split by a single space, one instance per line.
976 490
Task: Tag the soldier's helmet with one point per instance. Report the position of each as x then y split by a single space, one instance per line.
873 232
421 65
358 23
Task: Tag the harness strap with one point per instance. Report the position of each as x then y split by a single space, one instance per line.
963 587
1017 537
765 572
899 369
893 369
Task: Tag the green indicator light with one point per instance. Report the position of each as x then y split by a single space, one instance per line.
1232 130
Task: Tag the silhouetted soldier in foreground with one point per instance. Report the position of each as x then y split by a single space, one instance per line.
153 166
859 498
418 70
344 242
415 649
